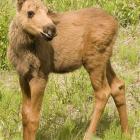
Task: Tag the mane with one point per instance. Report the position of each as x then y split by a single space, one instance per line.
21 52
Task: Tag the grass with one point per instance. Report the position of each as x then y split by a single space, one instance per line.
68 100
6 13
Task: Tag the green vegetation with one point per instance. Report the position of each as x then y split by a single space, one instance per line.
68 100
126 11
6 12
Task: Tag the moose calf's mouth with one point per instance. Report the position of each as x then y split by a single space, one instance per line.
46 36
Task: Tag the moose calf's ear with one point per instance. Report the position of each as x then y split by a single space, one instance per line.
19 4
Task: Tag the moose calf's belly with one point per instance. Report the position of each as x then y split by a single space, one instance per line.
67 61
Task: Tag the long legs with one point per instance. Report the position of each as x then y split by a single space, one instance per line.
26 95
118 94
106 83
102 93
32 92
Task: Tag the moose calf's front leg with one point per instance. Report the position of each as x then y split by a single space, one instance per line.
33 92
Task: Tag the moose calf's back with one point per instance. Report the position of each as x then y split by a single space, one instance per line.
80 33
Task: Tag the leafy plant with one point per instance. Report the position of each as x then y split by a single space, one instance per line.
6 11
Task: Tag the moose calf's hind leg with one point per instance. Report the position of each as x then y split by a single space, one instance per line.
118 94
102 93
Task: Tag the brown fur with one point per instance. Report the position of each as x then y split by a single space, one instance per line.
84 37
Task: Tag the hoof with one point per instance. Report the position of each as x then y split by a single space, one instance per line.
91 136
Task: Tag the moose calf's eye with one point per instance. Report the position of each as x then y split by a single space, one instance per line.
30 14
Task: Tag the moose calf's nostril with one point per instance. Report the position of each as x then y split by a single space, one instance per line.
51 30
50 33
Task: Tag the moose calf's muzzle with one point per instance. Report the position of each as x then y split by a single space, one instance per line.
49 32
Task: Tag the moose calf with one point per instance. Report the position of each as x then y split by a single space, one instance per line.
42 42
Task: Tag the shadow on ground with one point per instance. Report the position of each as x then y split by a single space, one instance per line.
74 129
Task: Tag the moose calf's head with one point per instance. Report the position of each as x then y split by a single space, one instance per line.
33 17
